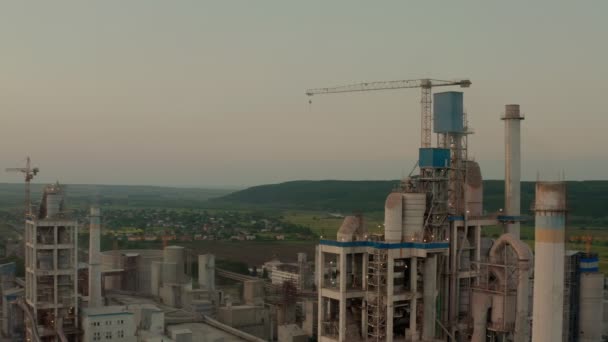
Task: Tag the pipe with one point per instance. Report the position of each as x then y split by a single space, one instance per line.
481 302
550 218
524 262
512 120
94 259
429 291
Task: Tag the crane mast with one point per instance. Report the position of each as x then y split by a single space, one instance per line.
29 174
426 100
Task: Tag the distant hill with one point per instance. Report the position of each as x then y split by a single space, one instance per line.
12 195
587 200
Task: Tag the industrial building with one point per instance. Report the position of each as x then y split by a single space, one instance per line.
51 267
431 275
120 295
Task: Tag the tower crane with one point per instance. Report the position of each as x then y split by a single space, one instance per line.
424 84
29 173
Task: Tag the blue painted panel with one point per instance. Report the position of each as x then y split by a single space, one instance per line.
434 157
448 112
507 218
550 222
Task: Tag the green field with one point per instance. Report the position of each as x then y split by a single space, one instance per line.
326 226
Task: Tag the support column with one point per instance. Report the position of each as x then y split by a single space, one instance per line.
342 304
429 296
320 308
364 319
477 251
454 266
390 292
364 266
413 304
95 299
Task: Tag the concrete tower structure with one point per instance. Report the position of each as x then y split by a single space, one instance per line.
206 271
95 299
51 265
512 120
550 208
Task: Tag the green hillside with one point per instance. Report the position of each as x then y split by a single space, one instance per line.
588 200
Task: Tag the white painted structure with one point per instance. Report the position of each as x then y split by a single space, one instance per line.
108 323
550 208
95 299
512 120
591 312
206 271
51 266
286 273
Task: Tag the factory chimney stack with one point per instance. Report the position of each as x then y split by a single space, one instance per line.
550 218
94 258
512 120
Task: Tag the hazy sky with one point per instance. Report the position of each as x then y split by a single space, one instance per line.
202 93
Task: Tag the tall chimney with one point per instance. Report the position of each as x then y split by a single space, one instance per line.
512 120
94 258
550 218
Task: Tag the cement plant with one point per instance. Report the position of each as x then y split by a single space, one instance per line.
430 274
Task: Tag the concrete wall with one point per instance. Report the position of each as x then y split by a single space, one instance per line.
110 260
254 320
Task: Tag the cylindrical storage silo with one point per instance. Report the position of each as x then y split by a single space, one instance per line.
393 211
413 216
176 254
550 220
473 189
155 274
169 273
591 312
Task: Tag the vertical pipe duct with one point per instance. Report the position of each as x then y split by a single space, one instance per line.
591 313
550 208
429 290
94 258
206 271
512 120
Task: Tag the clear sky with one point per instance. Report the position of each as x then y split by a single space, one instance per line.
211 93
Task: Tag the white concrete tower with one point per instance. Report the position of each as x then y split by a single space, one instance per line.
206 271
550 208
95 258
512 120
51 270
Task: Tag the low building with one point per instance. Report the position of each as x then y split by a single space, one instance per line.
286 273
108 323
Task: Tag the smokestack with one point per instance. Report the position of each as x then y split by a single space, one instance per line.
94 258
512 120
550 208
